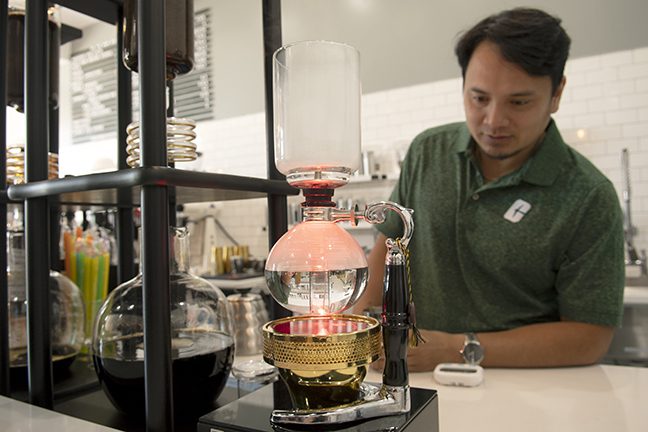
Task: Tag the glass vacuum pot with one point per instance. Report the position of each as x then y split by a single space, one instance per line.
202 339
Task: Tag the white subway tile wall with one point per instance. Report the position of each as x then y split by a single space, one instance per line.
604 110
237 146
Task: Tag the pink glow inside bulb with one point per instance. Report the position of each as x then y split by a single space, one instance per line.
317 267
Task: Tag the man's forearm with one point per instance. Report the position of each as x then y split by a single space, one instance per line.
552 344
564 343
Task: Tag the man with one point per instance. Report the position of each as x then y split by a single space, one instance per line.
518 239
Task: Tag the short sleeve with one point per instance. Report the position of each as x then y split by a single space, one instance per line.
590 279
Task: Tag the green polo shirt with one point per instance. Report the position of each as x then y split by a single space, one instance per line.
537 245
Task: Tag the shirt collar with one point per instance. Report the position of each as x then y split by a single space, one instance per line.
547 162
543 166
464 141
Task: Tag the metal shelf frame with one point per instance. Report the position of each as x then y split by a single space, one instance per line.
147 186
4 291
105 188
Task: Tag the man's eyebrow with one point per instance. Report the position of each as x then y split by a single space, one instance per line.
477 90
524 93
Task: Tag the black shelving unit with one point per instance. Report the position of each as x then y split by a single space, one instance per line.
147 187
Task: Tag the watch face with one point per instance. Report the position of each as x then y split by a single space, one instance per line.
473 353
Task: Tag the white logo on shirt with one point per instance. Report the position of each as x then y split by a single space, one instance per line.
517 211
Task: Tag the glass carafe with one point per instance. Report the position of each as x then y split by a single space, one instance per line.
66 312
16 55
179 36
202 339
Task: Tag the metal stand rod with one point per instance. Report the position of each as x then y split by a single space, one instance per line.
155 219
4 300
124 223
172 190
157 328
277 204
271 43
4 313
54 208
36 210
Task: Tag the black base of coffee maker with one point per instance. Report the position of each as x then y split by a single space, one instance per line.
252 413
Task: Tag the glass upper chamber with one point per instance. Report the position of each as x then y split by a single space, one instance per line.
202 339
317 113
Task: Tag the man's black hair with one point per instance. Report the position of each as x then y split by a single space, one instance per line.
529 38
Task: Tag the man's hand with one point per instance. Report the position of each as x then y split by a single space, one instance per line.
439 347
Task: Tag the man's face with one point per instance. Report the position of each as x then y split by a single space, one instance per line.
507 110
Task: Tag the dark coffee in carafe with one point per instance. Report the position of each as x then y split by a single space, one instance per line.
179 37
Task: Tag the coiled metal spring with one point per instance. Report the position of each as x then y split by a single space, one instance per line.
16 164
180 145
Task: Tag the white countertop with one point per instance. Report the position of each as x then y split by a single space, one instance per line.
18 416
635 295
597 398
257 282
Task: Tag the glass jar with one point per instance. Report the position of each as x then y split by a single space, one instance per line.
202 339
16 55
179 37
317 92
66 312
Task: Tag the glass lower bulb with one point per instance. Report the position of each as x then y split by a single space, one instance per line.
317 267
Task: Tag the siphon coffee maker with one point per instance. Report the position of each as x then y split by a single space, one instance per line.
317 270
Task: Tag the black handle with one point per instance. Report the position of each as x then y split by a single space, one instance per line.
395 323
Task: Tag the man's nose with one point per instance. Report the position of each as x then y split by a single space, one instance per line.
496 116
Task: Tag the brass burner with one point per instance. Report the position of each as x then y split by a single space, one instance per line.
322 359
